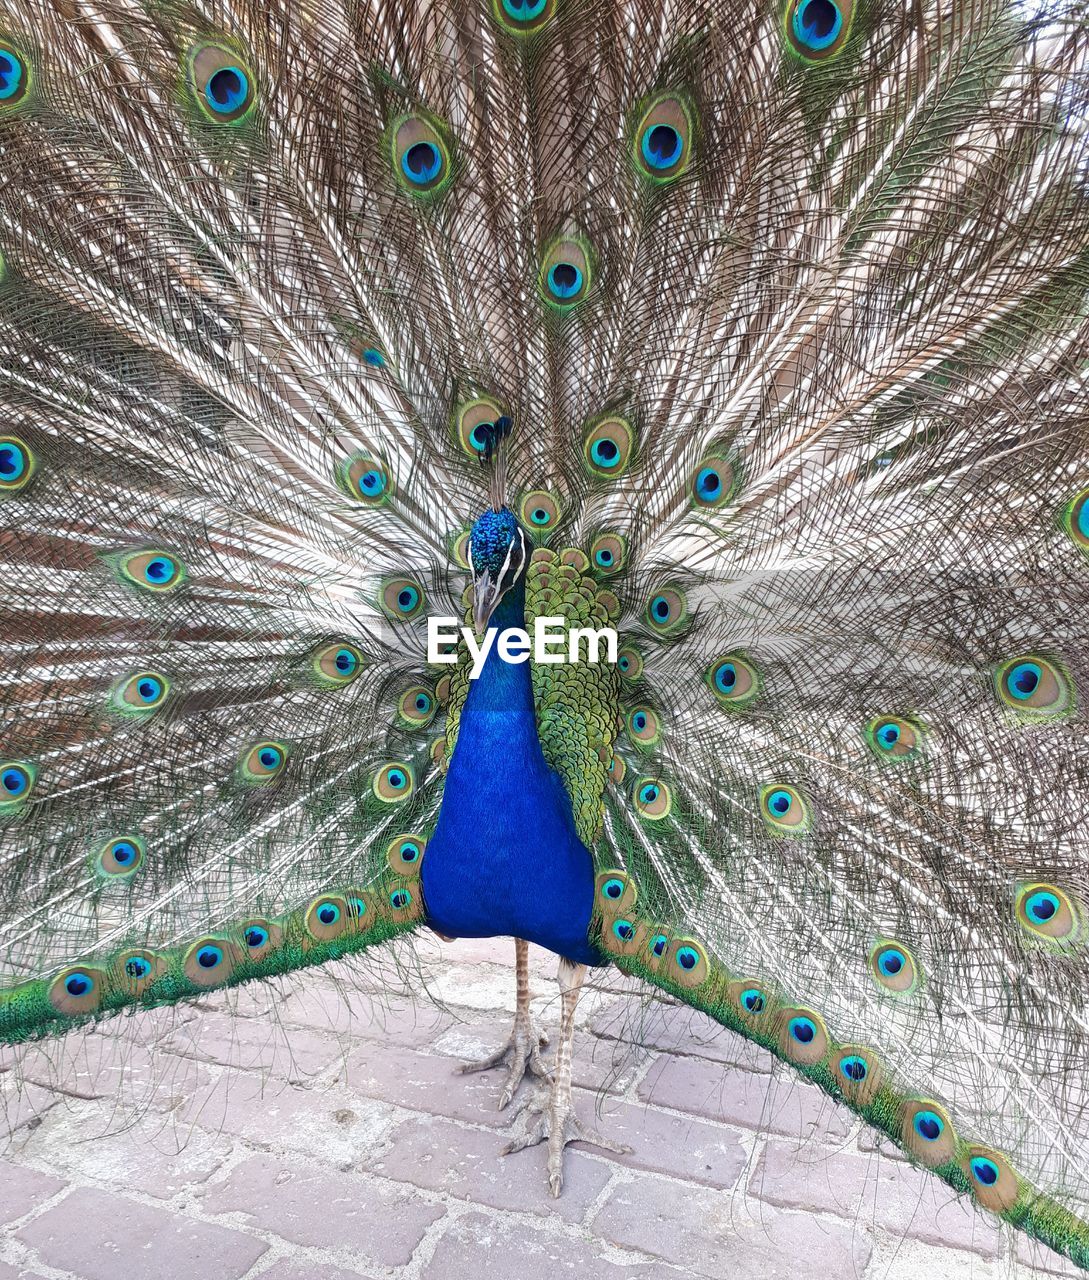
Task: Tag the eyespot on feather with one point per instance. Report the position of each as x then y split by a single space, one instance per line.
607 553
17 779
523 17
141 694
119 858
210 961
617 769
405 854
644 727
539 511
685 962
263 763
629 663
327 917
77 990
474 426
894 968
420 156
402 902
653 800
785 810
926 1132
402 599
663 141
616 892
803 1037
393 783
337 664
221 83
713 484
15 79
733 680
1075 519
816 30
607 446
135 971
17 462
416 707
260 937
753 1000
893 738
1048 912
667 610
152 570
991 1179
566 274
858 1072
1035 687
365 480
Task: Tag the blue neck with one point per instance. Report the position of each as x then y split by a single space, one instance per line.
504 858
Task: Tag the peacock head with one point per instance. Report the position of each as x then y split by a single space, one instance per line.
497 558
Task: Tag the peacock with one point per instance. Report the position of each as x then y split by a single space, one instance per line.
749 342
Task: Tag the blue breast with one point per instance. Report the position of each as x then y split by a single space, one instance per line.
504 858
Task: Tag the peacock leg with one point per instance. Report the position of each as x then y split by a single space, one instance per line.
553 1117
526 1040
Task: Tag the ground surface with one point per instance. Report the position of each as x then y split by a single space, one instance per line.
324 1135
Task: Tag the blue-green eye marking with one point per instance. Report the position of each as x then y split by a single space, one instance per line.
149 689
159 571
227 90
613 889
779 802
687 958
256 937
524 10
753 1000
604 559
658 944
209 957
137 967
13 76
708 484
1042 906
345 661
661 146
928 1125
399 899
373 357
984 1171
803 1030
854 1069
421 163
817 23
725 678
624 930
648 793
564 280
16 462
79 984
1023 680
270 757
372 483
410 851
15 782
605 453
328 913
891 960
140 694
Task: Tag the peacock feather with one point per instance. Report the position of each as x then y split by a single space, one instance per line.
758 336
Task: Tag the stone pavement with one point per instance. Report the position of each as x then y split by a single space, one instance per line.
317 1131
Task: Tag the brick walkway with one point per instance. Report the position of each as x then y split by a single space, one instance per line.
318 1132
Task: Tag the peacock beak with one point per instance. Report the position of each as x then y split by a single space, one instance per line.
486 596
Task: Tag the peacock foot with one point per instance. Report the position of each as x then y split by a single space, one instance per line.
523 1050
552 1118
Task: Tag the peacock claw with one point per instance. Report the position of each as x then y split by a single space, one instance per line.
552 1119
523 1048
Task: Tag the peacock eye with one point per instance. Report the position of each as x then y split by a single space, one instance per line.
402 599
624 930
221 84
644 727
475 424
785 810
416 707
421 157
120 857
894 968
137 967
337 664
365 479
264 762
393 782
1034 686
256 936
607 446
1075 519
17 463
802 1030
14 78
652 799
140 694
151 570
1049 913
566 275
539 510
607 553
753 1000
713 484
817 29
658 944
667 610
929 1125
404 854
734 681
524 16
16 781
400 899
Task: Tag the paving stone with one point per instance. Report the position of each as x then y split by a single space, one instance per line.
243 1044
475 1245
467 1163
99 1235
23 1189
348 1014
298 1269
701 1231
901 1198
426 1083
313 1207
22 1104
146 1151
673 1028
335 1125
717 1091
12 1271
664 1143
